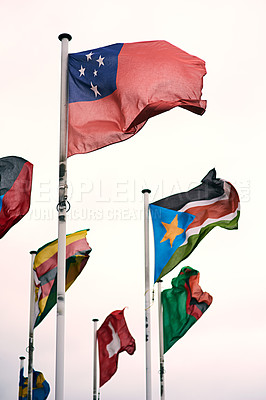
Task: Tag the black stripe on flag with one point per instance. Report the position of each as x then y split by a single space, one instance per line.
210 188
10 168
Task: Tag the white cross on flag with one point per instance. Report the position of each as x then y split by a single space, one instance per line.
113 338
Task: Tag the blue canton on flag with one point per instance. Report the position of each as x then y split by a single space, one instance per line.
92 73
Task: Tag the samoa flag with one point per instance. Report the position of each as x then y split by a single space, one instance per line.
15 191
114 90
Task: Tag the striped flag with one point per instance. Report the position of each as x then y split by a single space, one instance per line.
182 220
45 270
183 305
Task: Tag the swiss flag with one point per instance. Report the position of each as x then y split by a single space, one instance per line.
113 338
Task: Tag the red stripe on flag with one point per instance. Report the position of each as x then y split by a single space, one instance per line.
46 289
214 211
79 245
192 309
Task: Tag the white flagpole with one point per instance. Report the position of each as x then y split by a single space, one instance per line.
160 319
61 264
147 294
95 320
21 364
31 347
22 358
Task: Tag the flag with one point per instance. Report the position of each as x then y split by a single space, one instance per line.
113 338
40 387
15 191
45 270
182 305
182 220
114 90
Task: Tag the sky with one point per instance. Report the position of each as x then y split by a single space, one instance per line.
223 354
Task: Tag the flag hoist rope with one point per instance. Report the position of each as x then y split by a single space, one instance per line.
94 394
31 328
160 320
147 294
62 202
21 365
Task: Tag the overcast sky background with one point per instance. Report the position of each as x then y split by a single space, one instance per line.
223 354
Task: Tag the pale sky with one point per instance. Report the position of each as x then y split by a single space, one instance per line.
223 354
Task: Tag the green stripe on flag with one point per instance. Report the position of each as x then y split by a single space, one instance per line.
184 251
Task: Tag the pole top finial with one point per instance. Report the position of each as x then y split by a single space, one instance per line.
22 358
33 252
64 36
95 320
146 191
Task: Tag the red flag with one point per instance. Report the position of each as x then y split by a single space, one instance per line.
113 338
115 89
15 191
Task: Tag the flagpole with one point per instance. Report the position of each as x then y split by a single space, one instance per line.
60 321
31 347
95 320
160 319
21 365
146 193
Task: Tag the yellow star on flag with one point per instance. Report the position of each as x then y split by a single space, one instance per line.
172 231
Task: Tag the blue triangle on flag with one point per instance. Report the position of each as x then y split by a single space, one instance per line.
164 249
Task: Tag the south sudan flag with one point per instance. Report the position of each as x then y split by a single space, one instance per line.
15 191
45 270
183 305
182 220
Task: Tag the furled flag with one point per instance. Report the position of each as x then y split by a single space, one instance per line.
40 387
113 338
15 191
182 305
114 90
182 220
45 270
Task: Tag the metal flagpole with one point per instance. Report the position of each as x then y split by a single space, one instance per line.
31 348
22 358
60 321
95 320
147 293
160 315
21 365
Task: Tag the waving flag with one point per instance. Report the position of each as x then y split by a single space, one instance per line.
15 191
114 90
183 305
181 221
40 387
113 338
45 270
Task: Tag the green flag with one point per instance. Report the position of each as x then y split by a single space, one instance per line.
182 305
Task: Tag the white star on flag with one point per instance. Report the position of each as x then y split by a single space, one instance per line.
82 71
95 90
95 72
89 56
100 61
